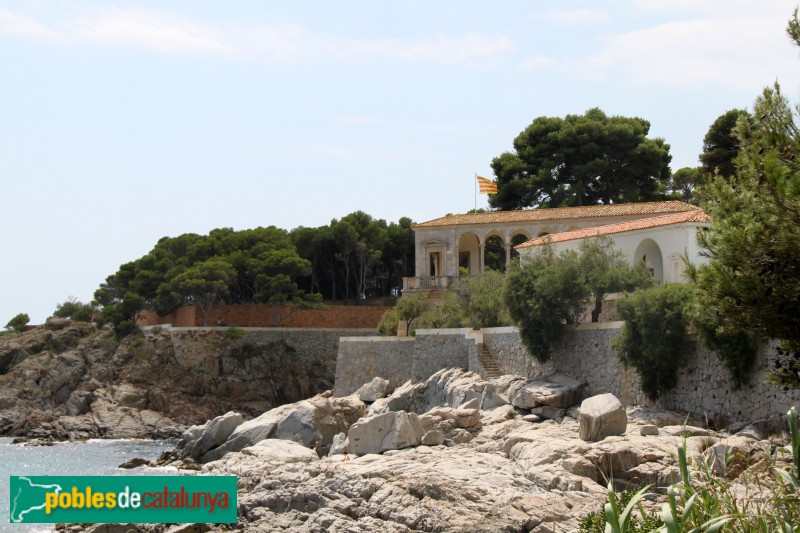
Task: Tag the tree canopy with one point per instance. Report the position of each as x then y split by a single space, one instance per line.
18 323
582 160
352 258
547 290
721 144
752 281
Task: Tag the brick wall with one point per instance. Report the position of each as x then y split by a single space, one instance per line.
266 315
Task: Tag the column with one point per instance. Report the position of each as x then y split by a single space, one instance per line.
507 242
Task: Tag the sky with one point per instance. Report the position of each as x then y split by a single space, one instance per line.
124 122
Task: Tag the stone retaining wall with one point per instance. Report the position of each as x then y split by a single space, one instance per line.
435 349
363 358
585 353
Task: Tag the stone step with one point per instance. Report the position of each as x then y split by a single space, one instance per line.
488 363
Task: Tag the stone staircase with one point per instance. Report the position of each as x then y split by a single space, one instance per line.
488 362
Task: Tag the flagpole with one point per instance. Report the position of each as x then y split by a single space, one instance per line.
475 184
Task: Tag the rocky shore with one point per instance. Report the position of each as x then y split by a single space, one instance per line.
452 453
71 381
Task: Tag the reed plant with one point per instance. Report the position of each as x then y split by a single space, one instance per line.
764 499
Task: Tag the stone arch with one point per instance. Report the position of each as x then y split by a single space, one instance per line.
650 252
518 237
469 253
494 251
545 231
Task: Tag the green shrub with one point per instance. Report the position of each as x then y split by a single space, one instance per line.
409 308
19 323
644 523
135 343
234 333
737 349
653 339
483 303
447 314
765 501
542 294
388 323
75 310
787 367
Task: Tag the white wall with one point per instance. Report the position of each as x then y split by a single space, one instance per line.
674 242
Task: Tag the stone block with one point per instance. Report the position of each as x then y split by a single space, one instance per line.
601 416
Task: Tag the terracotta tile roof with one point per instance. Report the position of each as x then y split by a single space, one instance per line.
559 213
695 215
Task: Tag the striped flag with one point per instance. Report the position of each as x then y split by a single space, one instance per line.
486 186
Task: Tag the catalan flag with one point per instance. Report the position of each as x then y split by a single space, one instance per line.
486 186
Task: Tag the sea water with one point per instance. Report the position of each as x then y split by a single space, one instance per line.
95 457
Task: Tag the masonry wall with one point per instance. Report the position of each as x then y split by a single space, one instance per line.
435 349
585 353
266 315
363 358
703 388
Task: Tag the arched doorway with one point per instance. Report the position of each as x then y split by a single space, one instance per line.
649 252
516 240
469 255
494 253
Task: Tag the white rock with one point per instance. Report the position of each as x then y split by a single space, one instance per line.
433 437
557 390
284 451
686 431
388 431
460 436
201 439
472 404
647 430
375 390
601 416
339 445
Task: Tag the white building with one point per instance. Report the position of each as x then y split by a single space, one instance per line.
453 248
663 242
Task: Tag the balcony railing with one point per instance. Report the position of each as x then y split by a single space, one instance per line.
430 283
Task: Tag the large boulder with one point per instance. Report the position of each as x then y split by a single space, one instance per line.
557 390
448 387
284 451
387 431
200 439
495 394
316 420
601 416
374 390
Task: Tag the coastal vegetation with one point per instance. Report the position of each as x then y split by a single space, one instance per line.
582 160
549 290
18 323
354 258
479 304
706 500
